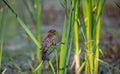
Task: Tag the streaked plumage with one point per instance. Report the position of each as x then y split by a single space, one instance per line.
47 42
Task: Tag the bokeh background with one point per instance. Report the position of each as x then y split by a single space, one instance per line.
19 48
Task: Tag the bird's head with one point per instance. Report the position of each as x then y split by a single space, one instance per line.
52 31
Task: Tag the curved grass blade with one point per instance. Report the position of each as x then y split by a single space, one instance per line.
53 70
37 68
24 26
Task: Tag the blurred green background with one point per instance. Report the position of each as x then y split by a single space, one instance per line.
19 48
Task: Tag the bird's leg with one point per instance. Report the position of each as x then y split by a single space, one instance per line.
55 44
61 42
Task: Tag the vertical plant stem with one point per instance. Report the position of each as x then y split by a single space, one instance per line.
75 4
65 40
2 32
97 48
62 49
1 47
69 51
88 24
98 29
56 55
92 11
38 19
38 9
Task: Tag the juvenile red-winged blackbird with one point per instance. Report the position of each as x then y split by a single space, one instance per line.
47 42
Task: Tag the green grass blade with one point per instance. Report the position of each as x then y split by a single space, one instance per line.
24 26
68 56
1 47
108 65
53 70
56 55
38 67
81 68
2 32
29 7
29 32
83 34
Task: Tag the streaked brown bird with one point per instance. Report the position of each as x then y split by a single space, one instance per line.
47 42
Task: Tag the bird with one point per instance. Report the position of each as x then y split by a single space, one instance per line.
47 42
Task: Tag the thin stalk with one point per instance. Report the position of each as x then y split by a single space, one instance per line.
38 67
18 68
56 54
1 48
29 8
2 25
51 66
68 56
109 65
65 40
38 8
75 4
98 29
81 68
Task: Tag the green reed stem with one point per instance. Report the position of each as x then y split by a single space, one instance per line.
92 11
62 49
75 6
72 20
57 65
69 52
38 8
